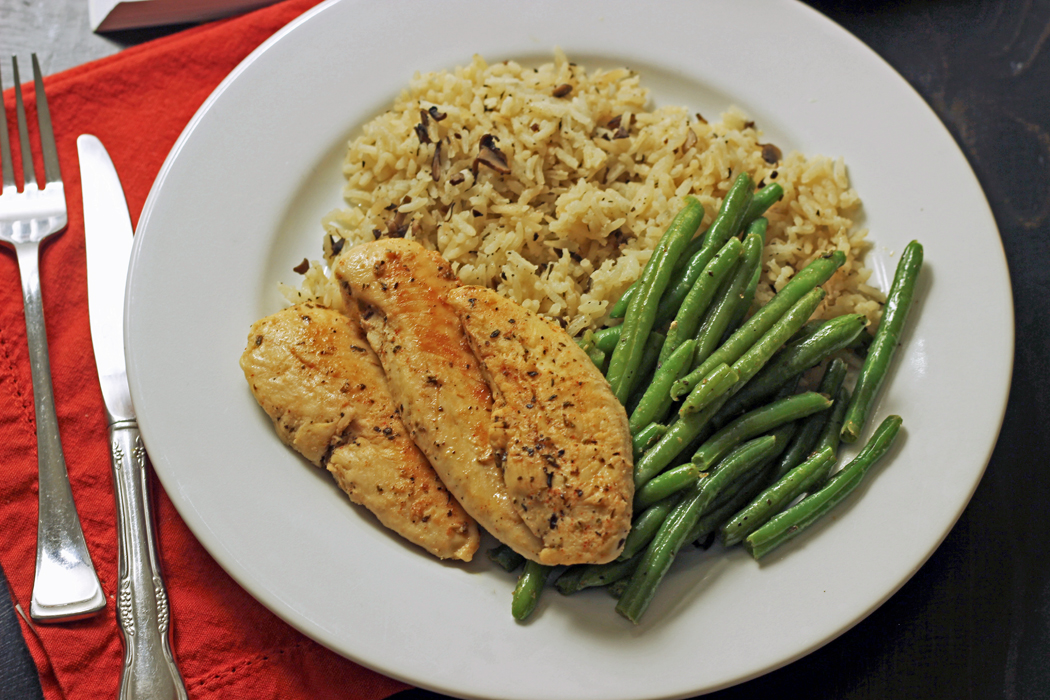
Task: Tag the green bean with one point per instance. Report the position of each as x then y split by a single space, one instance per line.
788 389
794 359
757 422
568 582
813 275
678 437
886 425
636 397
616 588
675 531
858 345
861 344
656 400
757 227
847 325
810 429
576 578
832 433
730 217
730 412
598 358
620 307
605 339
830 436
694 247
785 432
650 359
771 501
887 337
807 331
667 484
701 295
527 592
721 380
762 200
730 292
646 438
588 345
626 359
646 525
797 518
651 353
676 294
727 223
506 558
834 376
783 435
707 431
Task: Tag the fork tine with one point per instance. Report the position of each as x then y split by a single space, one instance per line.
23 131
7 170
52 173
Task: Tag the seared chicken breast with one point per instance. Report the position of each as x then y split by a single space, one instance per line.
399 288
313 372
562 434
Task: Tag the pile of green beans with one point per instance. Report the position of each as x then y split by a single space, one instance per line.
723 444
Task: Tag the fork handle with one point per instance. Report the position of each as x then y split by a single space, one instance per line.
65 586
149 671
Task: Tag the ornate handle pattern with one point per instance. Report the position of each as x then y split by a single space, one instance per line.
149 671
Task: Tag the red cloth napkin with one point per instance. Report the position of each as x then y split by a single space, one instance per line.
227 644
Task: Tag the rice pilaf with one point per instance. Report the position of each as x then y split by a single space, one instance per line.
553 185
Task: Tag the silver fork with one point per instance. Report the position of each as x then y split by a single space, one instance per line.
66 586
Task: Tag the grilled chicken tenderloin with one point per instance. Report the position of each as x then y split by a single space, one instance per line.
562 434
399 288
313 372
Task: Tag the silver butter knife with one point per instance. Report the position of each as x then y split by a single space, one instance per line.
142 604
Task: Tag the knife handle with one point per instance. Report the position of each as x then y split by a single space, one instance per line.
149 670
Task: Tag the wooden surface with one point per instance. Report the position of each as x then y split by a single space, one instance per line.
974 622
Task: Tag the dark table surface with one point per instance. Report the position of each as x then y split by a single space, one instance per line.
974 622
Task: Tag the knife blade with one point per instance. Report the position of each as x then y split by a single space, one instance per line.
149 669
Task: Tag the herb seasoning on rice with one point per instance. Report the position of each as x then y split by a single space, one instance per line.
553 184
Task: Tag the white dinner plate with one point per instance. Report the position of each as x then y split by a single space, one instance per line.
238 203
